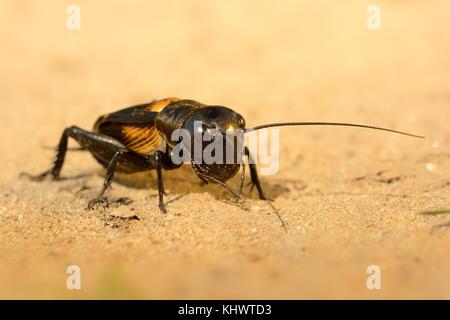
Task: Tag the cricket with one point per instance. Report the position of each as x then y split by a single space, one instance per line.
141 138
220 154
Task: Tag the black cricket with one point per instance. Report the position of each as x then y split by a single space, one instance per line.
130 140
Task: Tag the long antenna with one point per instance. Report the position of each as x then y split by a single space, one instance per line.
341 124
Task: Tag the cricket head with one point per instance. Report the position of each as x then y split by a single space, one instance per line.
217 142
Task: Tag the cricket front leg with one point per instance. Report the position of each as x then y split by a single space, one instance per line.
254 174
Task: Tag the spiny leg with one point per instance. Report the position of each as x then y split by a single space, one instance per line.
100 199
90 141
254 174
58 162
105 149
158 159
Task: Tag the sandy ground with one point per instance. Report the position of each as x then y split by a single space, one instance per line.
350 197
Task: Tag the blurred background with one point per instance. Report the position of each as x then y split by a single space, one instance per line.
270 61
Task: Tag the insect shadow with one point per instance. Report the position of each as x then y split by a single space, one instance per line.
62 178
185 181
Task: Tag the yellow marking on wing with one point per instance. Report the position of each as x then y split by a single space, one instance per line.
155 106
144 140
160 104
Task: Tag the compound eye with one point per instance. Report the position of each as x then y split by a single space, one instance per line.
241 123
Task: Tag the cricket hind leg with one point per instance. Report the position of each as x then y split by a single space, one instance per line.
113 155
89 141
57 163
106 150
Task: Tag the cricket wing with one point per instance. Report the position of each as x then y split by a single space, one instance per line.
135 126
